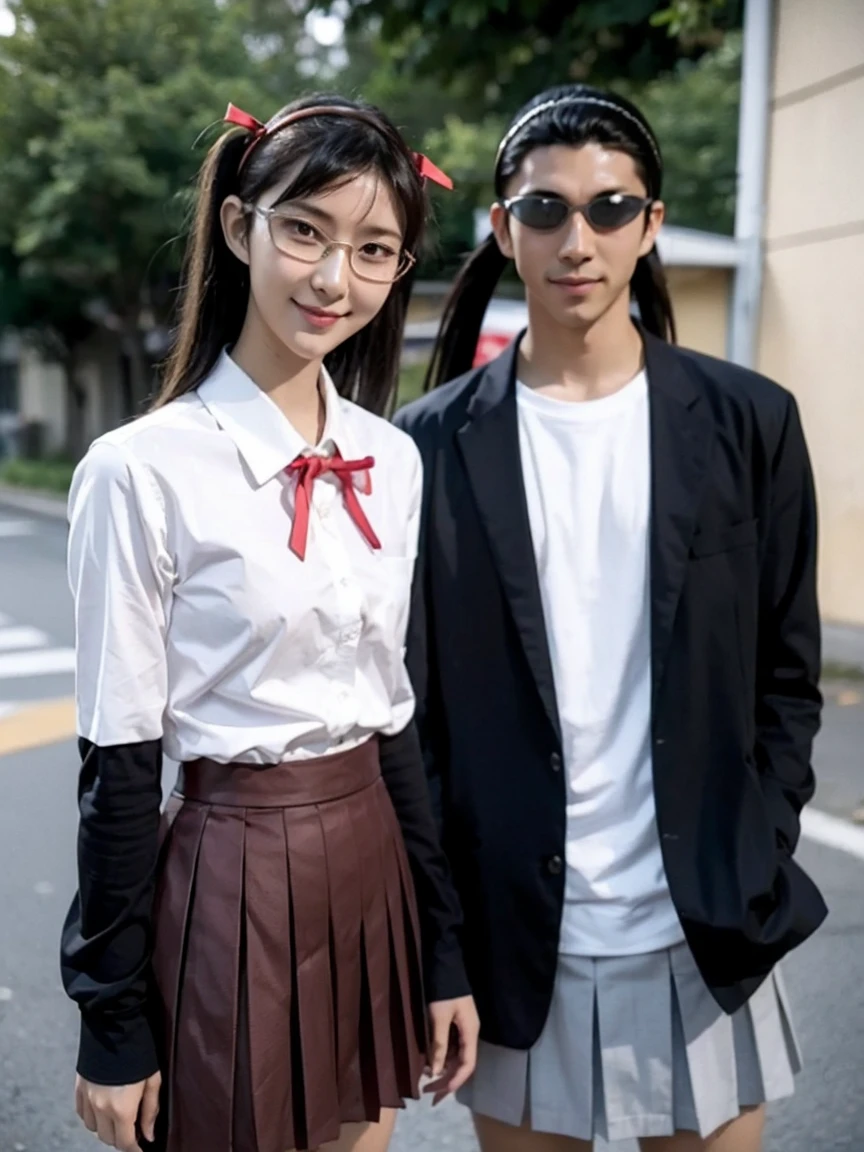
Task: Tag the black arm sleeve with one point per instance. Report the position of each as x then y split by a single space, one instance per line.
438 905
106 942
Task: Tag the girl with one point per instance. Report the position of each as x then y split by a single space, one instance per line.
240 560
616 658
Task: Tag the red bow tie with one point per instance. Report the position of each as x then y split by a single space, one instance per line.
308 469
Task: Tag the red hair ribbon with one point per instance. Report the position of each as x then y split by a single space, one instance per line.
307 470
235 115
430 171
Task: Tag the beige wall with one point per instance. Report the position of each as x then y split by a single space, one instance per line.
700 300
812 332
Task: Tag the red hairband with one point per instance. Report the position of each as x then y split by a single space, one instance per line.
425 167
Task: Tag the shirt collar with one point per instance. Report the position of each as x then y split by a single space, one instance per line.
265 438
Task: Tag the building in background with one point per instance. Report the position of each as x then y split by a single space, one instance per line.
811 332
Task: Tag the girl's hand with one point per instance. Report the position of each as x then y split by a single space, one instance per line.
454 1028
113 1112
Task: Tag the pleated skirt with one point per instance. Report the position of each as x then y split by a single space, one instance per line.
286 955
635 1047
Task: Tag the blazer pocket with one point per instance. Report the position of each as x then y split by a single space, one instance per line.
725 539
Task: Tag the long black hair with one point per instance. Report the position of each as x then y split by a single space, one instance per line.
571 114
325 151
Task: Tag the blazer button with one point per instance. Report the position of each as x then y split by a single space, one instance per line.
555 866
555 762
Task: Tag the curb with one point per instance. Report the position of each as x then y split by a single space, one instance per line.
37 503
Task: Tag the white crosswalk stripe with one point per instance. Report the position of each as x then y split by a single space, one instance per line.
24 652
47 663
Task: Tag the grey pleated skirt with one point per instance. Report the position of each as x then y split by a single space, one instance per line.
636 1046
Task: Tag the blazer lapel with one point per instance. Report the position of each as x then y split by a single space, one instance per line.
489 444
682 438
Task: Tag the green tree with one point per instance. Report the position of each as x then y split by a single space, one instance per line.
500 52
101 105
694 112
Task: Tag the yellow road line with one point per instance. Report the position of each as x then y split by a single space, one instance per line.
34 725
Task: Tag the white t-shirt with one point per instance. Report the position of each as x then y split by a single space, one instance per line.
587 473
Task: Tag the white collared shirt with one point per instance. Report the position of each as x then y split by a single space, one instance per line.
196 623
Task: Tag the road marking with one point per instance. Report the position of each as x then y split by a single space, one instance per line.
833 832
21 637
47 663
10 528
34 725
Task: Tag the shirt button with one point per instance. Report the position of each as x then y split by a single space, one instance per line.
555 866
555 762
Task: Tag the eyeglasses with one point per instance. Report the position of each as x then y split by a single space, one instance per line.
297 238
605 213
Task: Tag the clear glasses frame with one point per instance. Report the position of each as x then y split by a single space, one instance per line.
405 260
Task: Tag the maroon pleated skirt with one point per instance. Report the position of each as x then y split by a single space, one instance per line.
286 955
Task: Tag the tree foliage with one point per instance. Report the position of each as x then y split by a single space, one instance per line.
101 104
694 112
500 52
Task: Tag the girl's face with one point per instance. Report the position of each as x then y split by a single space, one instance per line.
576 272
308 304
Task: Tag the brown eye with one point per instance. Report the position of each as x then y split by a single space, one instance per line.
296 229
377 253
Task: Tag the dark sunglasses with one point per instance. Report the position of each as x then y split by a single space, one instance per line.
605 213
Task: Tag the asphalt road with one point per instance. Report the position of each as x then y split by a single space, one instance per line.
37 834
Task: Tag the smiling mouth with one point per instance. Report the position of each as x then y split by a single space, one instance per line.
319 313
319 317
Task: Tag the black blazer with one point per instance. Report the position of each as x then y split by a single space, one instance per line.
735 658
